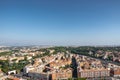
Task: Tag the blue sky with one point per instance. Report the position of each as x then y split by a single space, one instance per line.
59 22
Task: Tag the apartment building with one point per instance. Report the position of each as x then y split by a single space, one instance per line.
92 73
62 74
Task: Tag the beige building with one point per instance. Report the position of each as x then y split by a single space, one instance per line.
92 73
63 74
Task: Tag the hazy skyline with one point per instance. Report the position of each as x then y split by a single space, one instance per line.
60 22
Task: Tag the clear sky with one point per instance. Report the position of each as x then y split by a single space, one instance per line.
59 22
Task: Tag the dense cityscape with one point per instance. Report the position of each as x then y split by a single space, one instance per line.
59 63
59 39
